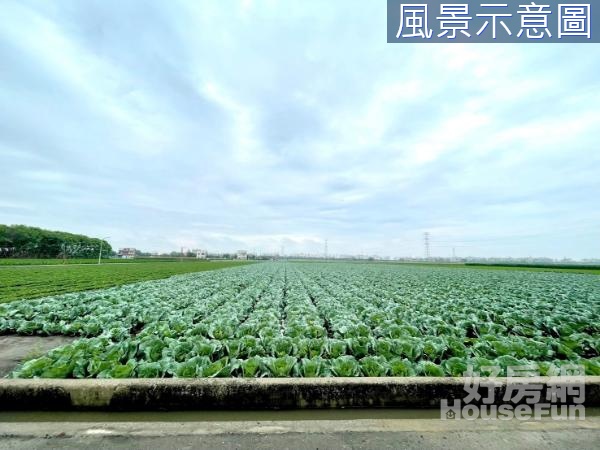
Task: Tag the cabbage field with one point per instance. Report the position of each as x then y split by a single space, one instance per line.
283 319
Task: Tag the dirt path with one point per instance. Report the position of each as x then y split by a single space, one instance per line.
14 349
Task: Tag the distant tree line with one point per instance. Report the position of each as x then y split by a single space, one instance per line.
21 241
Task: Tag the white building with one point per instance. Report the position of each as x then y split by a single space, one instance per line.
126 253
201 254
242 254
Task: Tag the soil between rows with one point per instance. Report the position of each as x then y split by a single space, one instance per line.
14 349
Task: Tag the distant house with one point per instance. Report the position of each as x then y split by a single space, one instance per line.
126 253
242 254
7 251
201 254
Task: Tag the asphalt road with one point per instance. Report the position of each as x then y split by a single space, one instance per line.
304 434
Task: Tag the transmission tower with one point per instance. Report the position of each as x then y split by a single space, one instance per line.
426 242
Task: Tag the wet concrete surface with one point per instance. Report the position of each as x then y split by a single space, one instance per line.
14 349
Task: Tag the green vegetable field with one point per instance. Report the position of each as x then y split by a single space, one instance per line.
60 261
280 319
28 281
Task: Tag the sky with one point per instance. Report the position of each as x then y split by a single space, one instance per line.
229 125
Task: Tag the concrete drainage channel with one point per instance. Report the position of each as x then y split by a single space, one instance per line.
253 394
367 413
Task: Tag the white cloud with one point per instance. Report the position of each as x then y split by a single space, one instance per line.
246 124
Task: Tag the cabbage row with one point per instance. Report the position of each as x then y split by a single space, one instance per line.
308 320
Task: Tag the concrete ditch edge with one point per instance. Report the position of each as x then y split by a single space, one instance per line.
251 393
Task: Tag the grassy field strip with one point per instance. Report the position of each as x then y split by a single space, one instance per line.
61 262
579 269
22 282
57 266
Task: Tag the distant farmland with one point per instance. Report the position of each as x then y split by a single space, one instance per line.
29 281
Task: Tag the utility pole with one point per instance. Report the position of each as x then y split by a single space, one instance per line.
453 254
325 248
426 242
100 253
